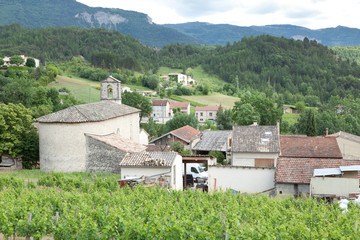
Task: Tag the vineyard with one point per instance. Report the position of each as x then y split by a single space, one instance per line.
62 207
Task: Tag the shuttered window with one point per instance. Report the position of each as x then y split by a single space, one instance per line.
263 162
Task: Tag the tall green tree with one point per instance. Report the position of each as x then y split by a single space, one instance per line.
245 114
30 62
310 129
181 120
223 119
15 123
17 60
138 101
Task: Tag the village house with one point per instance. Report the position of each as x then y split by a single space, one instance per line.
289 109
184 107
154 165
254 153
181 78
147 93
7 61
187 135
206 113
300 155
62 138
161 111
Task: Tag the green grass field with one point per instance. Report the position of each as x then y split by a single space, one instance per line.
82 88
215 99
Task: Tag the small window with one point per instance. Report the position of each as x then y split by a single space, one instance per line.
201 119
268 133
201 114
154 115
264 140
210 114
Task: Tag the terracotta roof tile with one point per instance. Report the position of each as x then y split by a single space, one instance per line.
179 104
149 159
300 170
309 147
123 144
159 102
207 108
187 133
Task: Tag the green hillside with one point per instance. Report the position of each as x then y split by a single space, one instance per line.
59 13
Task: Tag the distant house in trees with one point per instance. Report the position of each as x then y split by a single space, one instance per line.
184 107
206 113
7 61
181 78
289 109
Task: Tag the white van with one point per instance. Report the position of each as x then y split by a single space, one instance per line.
195 170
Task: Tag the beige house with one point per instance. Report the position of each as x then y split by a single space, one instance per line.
154 165
62 137
184 107
206 113
349 144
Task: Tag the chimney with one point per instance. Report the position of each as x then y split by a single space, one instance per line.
327 131
255 123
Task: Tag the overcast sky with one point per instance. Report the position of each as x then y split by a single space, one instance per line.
313 14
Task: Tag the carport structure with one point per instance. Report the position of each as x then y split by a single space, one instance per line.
207 159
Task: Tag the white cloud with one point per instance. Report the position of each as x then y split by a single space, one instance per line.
313 14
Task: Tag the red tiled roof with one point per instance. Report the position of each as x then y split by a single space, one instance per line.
186 133
179 104
207 108
159 102
300 170
309 147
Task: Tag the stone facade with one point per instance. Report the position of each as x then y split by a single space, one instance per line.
110 90
102 157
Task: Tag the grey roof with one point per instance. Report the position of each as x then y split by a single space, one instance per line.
255 138
350 168
213 141
149 159
326 172
92 112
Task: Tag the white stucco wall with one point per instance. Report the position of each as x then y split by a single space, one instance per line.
243 179
248 159
63 145
334 186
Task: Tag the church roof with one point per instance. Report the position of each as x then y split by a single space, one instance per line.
92 112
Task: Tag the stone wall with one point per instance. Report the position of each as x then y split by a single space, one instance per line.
102 157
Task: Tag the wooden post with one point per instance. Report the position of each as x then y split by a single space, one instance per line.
29 220
214 184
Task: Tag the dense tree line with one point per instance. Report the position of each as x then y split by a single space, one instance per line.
289 67
103 48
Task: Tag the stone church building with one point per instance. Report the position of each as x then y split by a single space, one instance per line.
63 134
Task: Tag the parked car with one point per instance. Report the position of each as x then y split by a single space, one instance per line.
196 171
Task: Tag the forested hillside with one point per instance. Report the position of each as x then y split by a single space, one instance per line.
61 13
102 47
277 64
351 53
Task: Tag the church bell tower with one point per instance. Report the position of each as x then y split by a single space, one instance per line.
110 90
